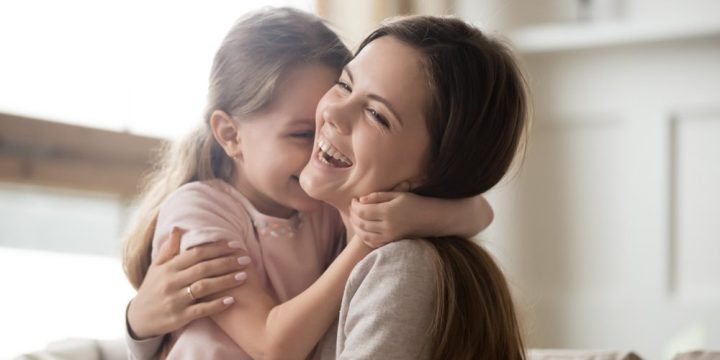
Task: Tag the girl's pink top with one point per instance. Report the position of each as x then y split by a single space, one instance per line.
288 254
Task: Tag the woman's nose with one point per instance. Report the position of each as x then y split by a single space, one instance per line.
338 117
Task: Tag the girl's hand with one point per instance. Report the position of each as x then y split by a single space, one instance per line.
163 303
383 217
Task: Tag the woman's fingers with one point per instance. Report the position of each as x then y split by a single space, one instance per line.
204 288
213 268
203 252
204 309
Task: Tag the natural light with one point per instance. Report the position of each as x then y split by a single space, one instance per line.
137 66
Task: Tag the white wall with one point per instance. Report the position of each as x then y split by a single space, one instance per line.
610 233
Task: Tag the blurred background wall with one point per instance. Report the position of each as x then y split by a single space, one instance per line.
609 231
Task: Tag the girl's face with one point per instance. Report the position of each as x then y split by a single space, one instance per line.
276 143
371 128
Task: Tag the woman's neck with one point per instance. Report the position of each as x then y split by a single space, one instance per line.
349 230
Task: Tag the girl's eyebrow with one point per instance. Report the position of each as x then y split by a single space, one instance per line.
297 122
376 97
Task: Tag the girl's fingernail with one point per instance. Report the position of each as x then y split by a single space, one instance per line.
228 300
240 276
243 260
235 244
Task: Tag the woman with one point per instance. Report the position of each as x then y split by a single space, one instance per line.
449 111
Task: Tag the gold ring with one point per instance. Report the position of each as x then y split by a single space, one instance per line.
190 293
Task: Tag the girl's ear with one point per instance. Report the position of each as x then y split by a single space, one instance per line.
226 132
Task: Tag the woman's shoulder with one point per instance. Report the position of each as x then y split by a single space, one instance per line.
410 260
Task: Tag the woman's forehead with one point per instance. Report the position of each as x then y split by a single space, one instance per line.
393 70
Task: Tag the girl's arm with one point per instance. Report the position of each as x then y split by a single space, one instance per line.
383 217
289 330
162 304
255 322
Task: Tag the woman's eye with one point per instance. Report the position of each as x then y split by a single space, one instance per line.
343 85
379 118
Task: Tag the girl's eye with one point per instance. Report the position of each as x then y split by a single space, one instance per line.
304 135
343 85
379 118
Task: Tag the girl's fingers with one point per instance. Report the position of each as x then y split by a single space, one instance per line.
170 248
211 286
402 187
213 268
370 239
378 197
366 211
200 253
207 308
367 226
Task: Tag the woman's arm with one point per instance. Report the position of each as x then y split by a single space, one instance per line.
162 304
387 216
292 329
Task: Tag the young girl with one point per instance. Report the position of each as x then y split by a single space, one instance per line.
236 179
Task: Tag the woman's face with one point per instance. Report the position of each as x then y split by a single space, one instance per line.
371 129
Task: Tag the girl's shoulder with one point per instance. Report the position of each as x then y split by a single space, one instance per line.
200 200
204 192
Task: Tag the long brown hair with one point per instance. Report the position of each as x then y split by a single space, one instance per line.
477 120
259 49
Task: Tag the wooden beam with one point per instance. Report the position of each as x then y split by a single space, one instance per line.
62 155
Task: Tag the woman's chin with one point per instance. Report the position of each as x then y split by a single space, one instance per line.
317 188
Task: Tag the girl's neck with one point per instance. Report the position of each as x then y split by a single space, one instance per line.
261 202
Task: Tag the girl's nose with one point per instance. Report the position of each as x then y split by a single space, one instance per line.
337 116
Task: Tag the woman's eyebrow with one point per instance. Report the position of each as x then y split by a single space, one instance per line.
376 97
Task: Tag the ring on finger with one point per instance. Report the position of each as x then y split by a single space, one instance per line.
189 291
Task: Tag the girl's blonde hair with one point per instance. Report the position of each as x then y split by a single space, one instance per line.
259 49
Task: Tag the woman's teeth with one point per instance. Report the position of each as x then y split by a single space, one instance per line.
329 155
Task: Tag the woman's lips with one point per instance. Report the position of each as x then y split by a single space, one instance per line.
318 160
329 155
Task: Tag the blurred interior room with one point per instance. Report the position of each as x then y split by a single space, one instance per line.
608 232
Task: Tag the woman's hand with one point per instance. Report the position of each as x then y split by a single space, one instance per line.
164 304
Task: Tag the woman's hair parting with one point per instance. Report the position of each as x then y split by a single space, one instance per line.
477 119
257 52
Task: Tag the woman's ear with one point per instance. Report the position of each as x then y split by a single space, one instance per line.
226 132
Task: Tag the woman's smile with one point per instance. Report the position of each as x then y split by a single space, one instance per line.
361 144
330 155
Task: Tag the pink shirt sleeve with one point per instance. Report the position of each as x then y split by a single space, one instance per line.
207 214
